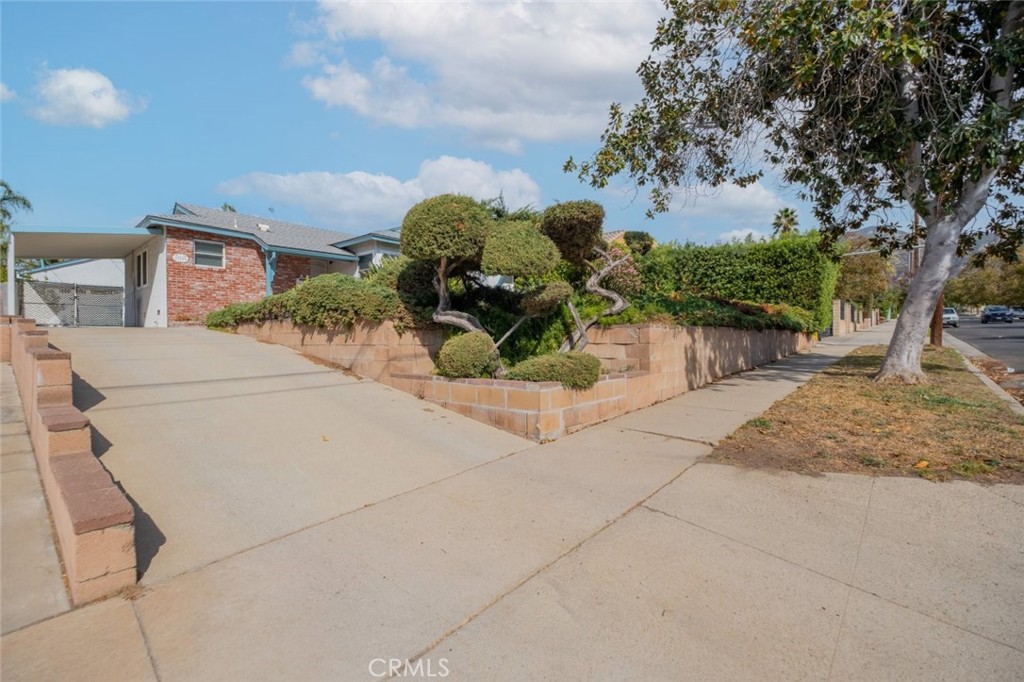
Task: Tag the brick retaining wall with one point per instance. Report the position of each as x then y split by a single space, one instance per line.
644 364
92 516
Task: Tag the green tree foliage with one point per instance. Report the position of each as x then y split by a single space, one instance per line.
792 271
866 106
575 226
866 277
471 355
638 242
10 202
228 208
449 227
518 249
994 282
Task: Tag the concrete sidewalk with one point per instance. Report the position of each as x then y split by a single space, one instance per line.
611 554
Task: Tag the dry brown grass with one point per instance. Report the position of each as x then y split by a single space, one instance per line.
952 427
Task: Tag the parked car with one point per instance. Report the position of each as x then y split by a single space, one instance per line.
996 313
1018 313
950 317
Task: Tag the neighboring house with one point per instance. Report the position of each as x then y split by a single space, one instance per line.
107 272
200 259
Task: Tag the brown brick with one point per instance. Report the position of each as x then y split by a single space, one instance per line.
523 399
95 509
463 392
491 396
62 418
90 590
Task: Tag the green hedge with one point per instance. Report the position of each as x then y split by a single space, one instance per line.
573 370
328 301
468 356
792 272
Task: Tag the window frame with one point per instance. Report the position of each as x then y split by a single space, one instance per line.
223 254
142 269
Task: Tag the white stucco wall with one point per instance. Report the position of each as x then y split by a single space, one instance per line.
106 272
147 306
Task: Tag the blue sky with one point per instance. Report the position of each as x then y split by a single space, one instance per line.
340 115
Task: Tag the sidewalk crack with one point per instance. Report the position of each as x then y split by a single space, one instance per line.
145 642
853 577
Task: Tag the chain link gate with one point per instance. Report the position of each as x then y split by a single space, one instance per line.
73 305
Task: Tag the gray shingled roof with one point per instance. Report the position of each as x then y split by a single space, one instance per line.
283 234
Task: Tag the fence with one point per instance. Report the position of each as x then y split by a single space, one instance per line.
73 305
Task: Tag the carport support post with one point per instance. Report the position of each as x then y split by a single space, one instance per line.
271 258
12 285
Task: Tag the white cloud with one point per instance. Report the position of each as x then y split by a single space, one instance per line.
6 94
742 235
364 201
503 71
82 97
754 201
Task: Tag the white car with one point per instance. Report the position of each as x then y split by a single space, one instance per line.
950 317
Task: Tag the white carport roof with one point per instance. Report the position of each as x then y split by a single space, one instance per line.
78 242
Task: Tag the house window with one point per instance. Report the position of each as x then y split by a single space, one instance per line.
141 269
365 264
208 254
317 267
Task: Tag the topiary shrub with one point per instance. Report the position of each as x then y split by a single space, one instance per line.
468 356
449 226
573 370
518 249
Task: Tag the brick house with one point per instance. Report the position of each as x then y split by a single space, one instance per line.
199 259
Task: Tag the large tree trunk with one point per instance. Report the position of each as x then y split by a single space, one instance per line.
903 359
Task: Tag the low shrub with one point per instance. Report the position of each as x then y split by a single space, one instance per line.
573 370
337 300
468 356
327 301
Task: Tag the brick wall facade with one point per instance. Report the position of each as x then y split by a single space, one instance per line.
193 291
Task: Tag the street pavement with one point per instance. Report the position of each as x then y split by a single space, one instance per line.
1005 342
610 554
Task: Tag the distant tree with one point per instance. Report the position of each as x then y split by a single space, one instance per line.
10 202
499 210
228 207
867 106
866 277
994 282
785 222
639 242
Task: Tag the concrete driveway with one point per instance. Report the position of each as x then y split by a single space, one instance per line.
611 554
225 444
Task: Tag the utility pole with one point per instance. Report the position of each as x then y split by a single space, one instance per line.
937 323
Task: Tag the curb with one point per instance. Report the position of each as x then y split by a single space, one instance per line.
968 351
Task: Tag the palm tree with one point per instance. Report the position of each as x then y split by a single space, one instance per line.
785 222
10 201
